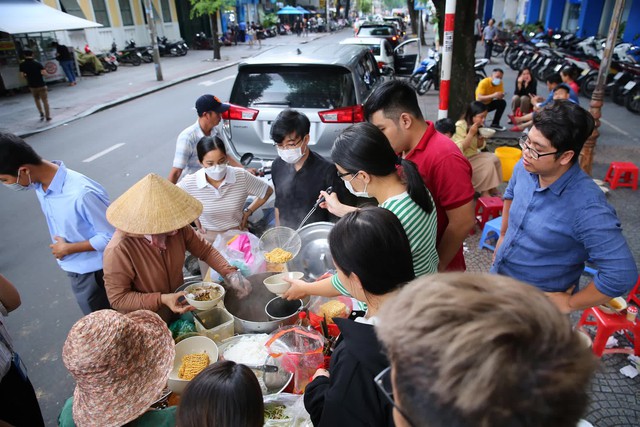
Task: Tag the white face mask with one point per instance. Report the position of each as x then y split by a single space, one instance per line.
291 156
496 81
362 193
16 186
216 172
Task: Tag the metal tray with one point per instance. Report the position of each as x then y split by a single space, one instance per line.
314 258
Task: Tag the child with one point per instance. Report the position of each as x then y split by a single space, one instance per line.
446 127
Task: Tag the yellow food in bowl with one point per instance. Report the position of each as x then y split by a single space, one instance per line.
192 365
278 256
333 309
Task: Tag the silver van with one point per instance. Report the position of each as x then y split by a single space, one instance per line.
327 83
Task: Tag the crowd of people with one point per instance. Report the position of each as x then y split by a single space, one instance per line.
433 345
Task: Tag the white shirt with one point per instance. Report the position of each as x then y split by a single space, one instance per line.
5 352
222 206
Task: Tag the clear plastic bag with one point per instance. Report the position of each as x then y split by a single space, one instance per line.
241 249
237 283
294 411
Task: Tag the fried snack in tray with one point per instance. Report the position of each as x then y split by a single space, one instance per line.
278 256
332 309
192 365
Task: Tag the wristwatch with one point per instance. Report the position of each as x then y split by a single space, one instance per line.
247 210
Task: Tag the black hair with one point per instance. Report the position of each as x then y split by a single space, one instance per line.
566 125
496 70
473 109
562 86
224 394
289 121
14 152
526 69
363 147
393 98
569 72
366 242
209 143
554 78
27 52
446 125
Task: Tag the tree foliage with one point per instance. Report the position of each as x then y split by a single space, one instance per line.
210 8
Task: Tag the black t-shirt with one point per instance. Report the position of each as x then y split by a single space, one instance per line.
63 53
33 70
297 191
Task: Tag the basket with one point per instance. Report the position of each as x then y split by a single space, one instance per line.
280 237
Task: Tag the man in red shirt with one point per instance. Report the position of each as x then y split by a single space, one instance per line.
393 108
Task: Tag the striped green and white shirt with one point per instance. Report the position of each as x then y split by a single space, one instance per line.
421 229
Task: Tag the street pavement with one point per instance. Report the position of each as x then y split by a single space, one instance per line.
615 398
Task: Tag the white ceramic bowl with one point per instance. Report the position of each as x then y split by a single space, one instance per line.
190 345
486 132
204 305
277 285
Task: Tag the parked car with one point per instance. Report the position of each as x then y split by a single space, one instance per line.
327 83
381 49
400 25
387 31
406 57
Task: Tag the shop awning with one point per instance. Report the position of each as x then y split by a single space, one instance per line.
31 16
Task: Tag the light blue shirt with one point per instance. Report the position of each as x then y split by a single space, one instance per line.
75 209
552 232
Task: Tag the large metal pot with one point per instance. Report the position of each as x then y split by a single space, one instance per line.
248 312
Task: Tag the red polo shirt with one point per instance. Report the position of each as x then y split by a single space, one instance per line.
447 174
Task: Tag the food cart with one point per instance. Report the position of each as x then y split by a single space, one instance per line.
29 24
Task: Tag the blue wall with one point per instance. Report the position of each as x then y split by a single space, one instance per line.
533 11
555 12
488 11
590 15
633 23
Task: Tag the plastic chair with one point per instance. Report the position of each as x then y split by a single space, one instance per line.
634 295
488 208
490 228
606 325
622 174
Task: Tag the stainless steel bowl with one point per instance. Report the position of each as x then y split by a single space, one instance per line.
249 312
314 258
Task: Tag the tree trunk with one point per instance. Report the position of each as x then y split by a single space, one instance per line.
413 17
464 47
216 36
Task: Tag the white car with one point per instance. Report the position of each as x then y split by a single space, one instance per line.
381 49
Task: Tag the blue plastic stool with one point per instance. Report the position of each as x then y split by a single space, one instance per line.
490 228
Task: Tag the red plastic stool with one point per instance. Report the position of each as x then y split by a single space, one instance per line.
488 208
606 325
622 174
634 295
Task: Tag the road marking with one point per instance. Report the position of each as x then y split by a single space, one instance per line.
614 127
213 82
103 152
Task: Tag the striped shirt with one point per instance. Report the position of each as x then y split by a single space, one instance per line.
186 157
222 206
421 229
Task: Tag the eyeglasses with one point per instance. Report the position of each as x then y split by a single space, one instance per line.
383 381
532 152
342 175
291 143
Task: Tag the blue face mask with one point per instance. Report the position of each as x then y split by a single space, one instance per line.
16 186
496 81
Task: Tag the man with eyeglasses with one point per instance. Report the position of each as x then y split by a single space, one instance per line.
555 217
470 349
299 174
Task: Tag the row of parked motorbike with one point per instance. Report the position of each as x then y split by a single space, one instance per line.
550 53
426 76
134 55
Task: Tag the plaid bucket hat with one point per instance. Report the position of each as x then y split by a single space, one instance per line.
121 363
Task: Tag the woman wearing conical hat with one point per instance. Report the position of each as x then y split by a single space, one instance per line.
143 262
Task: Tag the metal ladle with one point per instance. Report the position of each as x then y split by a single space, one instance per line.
329 190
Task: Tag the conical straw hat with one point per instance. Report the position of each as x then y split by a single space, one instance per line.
153 206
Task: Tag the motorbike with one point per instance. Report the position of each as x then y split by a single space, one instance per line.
109 61
146 52
478 68
417 74
202 42
168 48
126 56
431 77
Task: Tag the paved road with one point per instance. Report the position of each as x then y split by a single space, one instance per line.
117 147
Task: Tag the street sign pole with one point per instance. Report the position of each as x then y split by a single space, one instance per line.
154 39
447 57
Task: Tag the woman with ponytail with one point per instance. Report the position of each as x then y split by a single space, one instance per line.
370 168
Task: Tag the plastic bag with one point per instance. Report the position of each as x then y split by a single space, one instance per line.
181 327
236 282
294 411
300 352
240 249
